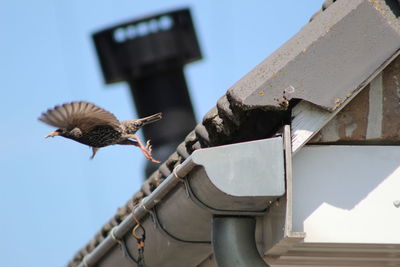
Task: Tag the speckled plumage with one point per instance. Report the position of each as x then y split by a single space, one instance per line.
91 125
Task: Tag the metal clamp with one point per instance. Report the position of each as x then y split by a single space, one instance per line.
176 174
144 206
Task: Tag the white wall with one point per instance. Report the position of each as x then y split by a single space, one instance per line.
347 194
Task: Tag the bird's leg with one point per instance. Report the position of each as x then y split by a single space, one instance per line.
145 149
94 150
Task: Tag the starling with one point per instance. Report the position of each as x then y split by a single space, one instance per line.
91 125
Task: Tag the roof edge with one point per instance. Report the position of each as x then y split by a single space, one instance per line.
327 60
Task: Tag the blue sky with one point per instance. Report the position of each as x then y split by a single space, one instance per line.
53 198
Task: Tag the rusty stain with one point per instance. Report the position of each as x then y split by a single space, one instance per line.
353 119
261 93
337 102
377 5
396 82
283 103
391 102
351 123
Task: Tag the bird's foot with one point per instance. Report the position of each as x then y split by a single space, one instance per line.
145 149
147 152
148 146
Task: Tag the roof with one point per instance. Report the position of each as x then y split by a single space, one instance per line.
326 64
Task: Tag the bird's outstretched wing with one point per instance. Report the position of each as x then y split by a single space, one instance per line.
82 115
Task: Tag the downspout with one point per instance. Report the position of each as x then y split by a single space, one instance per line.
234 243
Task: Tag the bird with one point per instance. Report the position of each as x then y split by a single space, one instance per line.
96 127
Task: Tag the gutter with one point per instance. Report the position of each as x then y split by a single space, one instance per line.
233 180
140 212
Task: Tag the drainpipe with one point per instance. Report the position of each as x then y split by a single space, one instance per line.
234 243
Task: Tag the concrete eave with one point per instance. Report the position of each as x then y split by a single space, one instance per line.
327 60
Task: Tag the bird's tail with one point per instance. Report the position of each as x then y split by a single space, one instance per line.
132 126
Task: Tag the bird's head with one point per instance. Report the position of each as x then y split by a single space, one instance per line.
56 133
71 134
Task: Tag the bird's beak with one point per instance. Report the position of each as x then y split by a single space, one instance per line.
52 134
